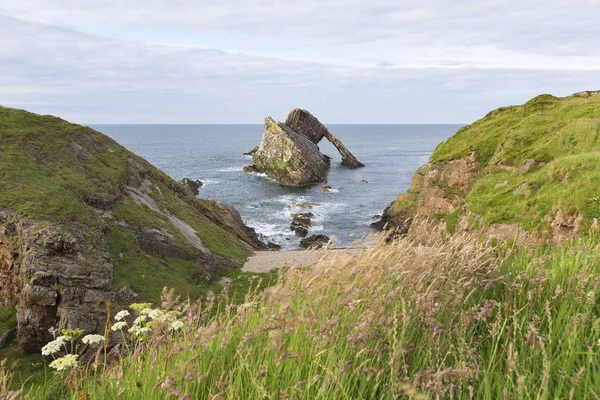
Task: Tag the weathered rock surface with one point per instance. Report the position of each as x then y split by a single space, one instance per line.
308 125
301 223
314 242
289 157
289 153
68 245
194 186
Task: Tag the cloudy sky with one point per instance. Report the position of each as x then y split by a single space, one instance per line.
347 61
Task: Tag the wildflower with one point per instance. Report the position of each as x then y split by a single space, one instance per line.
67 361
155 314
54 346
119 326
121 315
140 320
146 311
93 339
177 325
138 330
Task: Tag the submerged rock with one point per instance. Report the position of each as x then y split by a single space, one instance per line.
288 157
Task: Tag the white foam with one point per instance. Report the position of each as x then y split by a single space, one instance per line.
209 182
270 230
232 169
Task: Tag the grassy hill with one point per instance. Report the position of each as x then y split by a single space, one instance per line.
65 173
521 164
83 220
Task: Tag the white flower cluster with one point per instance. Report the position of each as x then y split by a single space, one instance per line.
67 361
93 339
54 346
177 325
139 330
121 315
119 326
156 314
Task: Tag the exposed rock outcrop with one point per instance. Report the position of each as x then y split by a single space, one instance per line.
194 186
289 157
301 223
314 242
308 125
289 153
84 221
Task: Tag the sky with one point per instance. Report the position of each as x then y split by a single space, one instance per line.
346 61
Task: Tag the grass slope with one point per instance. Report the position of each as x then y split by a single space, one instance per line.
53 170
562 135
460 320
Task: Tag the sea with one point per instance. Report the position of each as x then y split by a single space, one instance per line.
214 155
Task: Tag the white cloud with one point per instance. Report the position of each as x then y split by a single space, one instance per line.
345 60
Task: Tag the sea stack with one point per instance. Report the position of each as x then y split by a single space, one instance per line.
289 153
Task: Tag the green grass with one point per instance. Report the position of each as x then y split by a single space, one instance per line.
561 135
55 171
8 318
461 320
543 129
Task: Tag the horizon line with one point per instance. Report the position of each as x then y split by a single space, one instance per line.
260 124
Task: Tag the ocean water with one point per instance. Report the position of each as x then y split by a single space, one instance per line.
214 154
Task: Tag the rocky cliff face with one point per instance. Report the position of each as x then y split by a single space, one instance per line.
289 153
521 173
289 157
83 221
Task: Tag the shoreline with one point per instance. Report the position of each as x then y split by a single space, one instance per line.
265 261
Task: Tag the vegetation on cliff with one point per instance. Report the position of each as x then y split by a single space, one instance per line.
533 165
84 221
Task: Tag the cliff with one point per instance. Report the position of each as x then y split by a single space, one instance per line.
526 172
83 221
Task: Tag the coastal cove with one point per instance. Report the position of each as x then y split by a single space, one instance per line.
214 154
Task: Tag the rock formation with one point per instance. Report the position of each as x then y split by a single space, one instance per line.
83 221
194 186
308 125
301 223
314 242
289 153
505 177
288 157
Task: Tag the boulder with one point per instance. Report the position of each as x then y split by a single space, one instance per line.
314 241
301 223
306 124
289 157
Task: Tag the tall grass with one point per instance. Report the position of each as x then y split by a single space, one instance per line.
458 320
